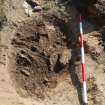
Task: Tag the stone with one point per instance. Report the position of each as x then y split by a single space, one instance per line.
28 12
37 8
65 56
25 72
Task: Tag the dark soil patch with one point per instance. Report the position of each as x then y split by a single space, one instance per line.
38 46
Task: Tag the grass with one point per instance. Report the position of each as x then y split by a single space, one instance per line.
95 55
46 7
49 5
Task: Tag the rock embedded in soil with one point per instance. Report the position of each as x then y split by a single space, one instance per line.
25 72
65 56
37 8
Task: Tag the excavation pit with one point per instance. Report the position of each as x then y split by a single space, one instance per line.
40 54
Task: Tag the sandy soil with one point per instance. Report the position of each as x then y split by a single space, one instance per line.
68 89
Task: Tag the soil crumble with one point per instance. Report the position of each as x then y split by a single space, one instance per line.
41 53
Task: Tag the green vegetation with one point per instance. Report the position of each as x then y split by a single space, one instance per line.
95 55
46 7
49 5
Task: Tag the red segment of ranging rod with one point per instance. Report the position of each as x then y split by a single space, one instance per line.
83 63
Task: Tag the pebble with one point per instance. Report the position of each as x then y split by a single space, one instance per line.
25 72
37 8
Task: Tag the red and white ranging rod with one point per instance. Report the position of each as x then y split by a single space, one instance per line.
83 63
